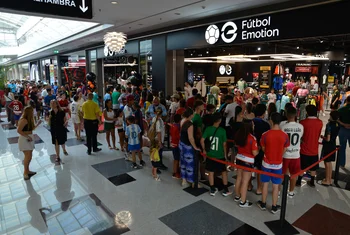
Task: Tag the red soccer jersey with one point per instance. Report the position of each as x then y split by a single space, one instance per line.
64 105
175 135
190 102
245 153
16 106
312 132
274 142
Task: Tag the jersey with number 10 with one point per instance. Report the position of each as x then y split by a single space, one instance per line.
217 141
132 133
295 132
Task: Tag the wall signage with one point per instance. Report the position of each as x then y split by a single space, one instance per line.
109 53
254 28
70 8
225 69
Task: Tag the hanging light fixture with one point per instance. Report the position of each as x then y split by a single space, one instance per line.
115 41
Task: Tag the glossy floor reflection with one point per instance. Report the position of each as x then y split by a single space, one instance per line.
102 194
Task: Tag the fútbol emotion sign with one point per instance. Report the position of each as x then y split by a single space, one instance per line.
250 29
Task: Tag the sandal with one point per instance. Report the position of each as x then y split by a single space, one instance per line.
115 148
26 177
65 153
324 184
31 173
57 159
110 147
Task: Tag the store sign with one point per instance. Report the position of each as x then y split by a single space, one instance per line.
70 8
109 53
265 68
254 28
303 69
225 70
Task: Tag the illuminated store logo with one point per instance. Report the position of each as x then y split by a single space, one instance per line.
250 29
110 53
225 69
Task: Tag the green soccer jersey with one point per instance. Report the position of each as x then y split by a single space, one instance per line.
197 121
217 144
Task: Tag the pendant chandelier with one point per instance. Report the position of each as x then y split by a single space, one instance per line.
115 41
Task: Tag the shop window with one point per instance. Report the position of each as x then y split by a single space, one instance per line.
146 61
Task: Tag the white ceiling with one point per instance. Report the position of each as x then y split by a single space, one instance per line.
140 16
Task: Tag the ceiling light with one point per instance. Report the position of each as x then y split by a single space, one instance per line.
321 41
114 2
344 58
115 41
207 52
298 48
191 54
259 48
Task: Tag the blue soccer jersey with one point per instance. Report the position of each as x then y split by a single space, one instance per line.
132 133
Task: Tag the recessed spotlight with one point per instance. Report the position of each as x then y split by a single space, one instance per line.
321 41
207 52
259 48
298 48
191 54
114 2
344 58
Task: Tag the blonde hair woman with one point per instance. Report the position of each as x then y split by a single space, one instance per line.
58 128
25 129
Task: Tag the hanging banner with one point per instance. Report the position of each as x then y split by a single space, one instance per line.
70 8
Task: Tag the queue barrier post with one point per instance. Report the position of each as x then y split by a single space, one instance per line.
282 226
337 166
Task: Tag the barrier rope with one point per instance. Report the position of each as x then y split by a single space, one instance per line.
268 173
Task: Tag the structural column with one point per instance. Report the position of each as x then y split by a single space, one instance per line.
159 63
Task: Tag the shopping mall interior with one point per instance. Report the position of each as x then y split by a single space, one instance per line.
159 46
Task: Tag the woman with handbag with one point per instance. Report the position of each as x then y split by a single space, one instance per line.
187 149
58 128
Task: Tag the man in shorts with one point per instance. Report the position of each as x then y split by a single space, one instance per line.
217 137
274 143
291 158
309 143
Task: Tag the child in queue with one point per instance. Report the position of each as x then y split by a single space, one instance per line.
217 138
247 150
109 124
274 143
133 134
175 140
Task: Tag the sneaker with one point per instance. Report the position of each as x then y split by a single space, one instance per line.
245 204
226 193
298 184
291 194
159 172
157 178
213 192
176 176
142 163
261 205
164 168
97 150
275 209
134 165
237 199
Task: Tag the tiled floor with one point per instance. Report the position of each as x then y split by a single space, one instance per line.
102 194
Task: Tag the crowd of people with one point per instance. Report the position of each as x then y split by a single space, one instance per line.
276 132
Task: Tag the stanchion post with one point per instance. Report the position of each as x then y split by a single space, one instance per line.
168 135
196 165
284 200
337 166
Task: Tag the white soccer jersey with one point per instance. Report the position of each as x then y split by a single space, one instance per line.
294 131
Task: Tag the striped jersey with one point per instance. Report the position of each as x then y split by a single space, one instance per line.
132 133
